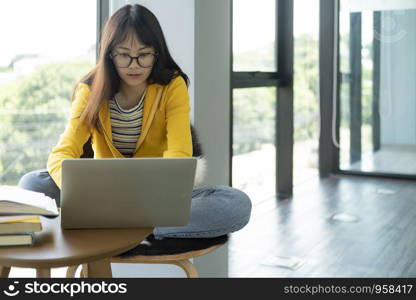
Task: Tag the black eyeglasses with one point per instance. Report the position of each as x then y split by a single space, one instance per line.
124 60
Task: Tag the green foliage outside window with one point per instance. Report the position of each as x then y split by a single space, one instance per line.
33 113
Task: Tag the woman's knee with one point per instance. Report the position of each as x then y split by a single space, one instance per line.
33 180
237 199
215 210
40 181
234 203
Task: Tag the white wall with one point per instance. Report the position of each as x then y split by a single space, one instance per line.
212 70
212 105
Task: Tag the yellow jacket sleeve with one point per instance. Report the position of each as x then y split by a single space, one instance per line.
71 142
179 139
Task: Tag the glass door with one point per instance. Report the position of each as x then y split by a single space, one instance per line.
378 87
48 46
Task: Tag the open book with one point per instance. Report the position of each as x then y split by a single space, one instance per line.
15 200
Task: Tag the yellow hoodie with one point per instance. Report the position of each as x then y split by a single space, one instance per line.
165 127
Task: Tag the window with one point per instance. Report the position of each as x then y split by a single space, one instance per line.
254 98
50 46
254 33
262 71
254 151
306 88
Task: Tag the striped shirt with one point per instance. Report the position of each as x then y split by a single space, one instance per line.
126 126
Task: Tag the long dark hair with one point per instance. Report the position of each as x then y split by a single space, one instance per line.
103 79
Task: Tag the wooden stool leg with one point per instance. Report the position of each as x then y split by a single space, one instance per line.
43 273
4 271
70 272
99 269
188 267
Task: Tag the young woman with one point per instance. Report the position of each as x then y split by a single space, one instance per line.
135 103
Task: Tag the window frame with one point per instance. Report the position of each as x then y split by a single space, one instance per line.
103 12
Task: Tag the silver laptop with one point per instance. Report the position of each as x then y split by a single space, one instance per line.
126 192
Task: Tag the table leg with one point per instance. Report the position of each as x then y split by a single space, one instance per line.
84 271
70 272
4 271
43 273
99 269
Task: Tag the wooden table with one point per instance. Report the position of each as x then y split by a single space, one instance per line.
55 247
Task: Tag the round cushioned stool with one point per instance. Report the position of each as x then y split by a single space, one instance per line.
176 251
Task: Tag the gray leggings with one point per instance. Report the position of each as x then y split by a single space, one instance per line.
215 210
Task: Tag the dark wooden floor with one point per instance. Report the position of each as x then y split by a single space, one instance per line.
382 243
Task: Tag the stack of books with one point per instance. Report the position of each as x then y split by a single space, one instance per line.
20 212
18 229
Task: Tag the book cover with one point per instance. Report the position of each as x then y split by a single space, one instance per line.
20 224
16 239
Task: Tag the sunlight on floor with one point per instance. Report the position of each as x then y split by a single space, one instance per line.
31 273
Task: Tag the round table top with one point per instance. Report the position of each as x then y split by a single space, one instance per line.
56 247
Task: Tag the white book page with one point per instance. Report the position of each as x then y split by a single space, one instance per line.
26 197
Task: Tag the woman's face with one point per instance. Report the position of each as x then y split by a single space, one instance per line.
133 74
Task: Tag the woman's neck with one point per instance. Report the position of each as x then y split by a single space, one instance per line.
129 96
